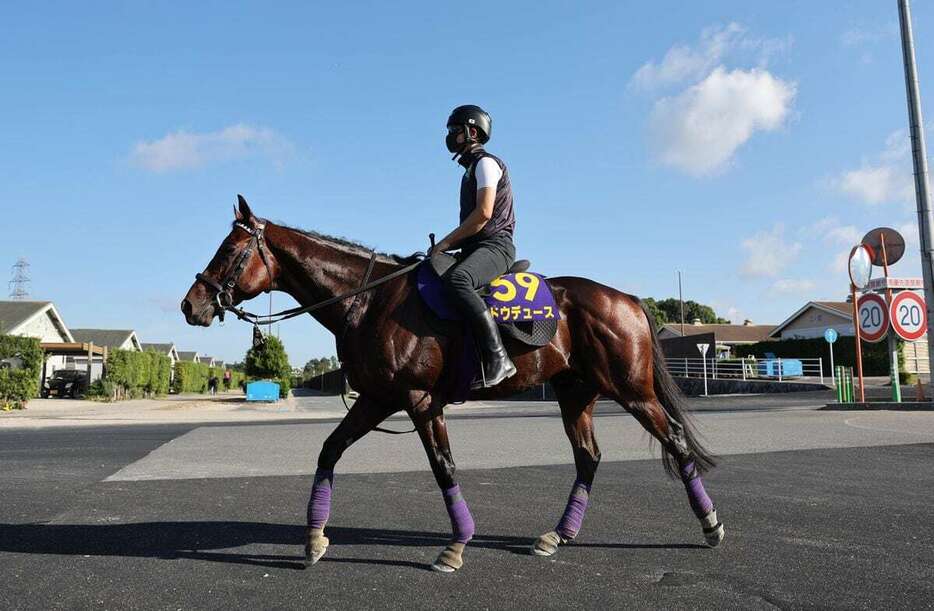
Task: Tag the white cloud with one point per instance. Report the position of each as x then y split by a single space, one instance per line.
699 130
683 63
791 286
768 253
858 37
887 179
183 150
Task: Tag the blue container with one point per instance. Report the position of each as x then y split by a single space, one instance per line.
262 391
769 368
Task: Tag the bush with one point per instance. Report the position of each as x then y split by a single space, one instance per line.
136 374
19 385
268 361
191 377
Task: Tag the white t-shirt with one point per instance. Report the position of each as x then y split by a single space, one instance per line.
488 173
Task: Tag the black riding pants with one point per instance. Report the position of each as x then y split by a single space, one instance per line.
479 265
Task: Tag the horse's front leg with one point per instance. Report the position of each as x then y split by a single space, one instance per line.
429 422
364 415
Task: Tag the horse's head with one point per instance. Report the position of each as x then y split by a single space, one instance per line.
241 268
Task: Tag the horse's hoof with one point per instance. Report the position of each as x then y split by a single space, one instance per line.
713 529
316 546
547 544
450 559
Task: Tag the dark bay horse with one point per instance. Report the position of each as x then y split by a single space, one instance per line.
605 345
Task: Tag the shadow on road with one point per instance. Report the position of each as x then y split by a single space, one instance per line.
178 540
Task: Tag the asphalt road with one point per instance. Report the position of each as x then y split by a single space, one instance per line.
822 509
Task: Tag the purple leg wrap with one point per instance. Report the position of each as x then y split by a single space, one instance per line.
697 496
461 520
319 505
573 517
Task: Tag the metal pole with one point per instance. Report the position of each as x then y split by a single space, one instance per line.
859 346
820 366
779 369
681 299
705 376
919 156
891 339
833 377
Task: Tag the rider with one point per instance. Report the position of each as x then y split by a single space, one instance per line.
484 236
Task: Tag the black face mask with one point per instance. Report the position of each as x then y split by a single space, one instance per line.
450 141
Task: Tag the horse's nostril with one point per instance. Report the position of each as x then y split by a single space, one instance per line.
186 307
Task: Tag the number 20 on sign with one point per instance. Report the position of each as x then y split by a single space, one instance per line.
909 316
873 318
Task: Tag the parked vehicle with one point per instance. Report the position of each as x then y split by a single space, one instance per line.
66 383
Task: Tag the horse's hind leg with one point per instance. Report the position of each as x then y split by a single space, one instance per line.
673 437
363 416
577 399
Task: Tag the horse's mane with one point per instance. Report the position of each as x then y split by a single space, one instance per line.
356 247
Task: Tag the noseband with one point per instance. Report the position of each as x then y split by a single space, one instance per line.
223 291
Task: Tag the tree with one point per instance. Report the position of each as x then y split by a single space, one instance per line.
668 311
315 367
269 361
652 307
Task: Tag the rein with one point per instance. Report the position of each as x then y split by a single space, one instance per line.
223 291
223 295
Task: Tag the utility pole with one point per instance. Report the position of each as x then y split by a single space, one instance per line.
681 299
919 156
19 285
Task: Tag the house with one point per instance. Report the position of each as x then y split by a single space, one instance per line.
166 349
815 317
33 319
39 319
726 337
110 339
188 357
207 360
113 339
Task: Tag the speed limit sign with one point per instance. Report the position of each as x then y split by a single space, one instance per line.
909 315
873 318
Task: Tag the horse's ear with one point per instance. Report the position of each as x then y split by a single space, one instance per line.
244 213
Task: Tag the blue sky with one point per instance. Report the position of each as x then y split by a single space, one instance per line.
747 144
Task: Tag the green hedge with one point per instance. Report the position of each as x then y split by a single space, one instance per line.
131 374
17 386
191 377
875 356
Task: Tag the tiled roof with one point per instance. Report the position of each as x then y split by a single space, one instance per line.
726 333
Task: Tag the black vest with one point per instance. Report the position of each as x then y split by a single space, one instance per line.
503 219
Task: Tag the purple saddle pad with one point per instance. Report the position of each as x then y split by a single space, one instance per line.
521 297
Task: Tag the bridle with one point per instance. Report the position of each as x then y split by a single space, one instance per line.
223 291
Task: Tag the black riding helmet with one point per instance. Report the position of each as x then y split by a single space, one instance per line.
471 116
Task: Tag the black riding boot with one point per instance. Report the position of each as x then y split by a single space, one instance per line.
495 364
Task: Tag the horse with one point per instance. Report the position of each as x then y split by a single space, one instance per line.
605 344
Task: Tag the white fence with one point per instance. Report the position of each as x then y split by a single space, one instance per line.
780 369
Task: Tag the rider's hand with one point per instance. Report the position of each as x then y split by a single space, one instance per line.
440 247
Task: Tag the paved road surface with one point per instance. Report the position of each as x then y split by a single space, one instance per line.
822 509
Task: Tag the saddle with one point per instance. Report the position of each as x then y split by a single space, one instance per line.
521 302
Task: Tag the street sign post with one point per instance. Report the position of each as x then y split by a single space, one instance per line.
830 335
703 350
873 319
860 270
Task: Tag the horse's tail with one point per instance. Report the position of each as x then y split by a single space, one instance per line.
669 395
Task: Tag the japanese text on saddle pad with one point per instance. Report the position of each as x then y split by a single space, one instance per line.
521 297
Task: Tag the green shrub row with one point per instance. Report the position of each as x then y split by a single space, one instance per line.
20 369
129 374
193 377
